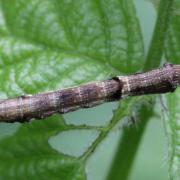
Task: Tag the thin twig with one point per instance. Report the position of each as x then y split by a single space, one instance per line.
24 108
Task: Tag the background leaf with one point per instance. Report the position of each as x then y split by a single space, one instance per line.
172 126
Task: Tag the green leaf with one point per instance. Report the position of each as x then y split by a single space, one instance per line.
173 38
28 155
24 66
173 130
101 30
51 44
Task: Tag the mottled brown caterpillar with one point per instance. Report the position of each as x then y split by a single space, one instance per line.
24 108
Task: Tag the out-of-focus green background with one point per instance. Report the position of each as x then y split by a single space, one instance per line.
150 162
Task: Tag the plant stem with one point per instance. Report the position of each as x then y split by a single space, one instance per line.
161 27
